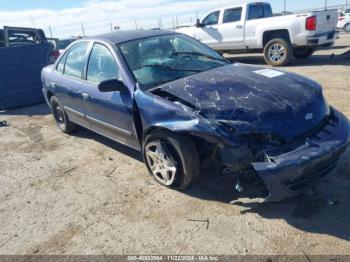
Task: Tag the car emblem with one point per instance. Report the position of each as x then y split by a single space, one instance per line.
309 116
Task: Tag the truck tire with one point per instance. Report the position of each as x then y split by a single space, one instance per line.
171 159
347 27
303 52
278 52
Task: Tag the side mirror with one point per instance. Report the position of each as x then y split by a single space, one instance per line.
198 23
112 85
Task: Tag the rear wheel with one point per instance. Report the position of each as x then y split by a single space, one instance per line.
303 52
171 159
61 117
347 27
278 52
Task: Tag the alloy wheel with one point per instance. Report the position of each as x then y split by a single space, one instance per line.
160 162
276 52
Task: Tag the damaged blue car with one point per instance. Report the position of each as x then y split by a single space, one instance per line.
184 106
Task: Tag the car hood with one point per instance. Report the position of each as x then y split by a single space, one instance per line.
269 101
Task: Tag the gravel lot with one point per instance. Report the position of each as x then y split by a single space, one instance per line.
83 194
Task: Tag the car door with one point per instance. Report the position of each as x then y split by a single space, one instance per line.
23 54
208 32
232 29
109 113
69 84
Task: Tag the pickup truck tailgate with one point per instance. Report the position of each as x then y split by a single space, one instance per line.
326 21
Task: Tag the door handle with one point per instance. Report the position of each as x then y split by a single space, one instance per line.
52 84
239 26
85 95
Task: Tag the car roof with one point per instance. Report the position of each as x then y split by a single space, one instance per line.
124 36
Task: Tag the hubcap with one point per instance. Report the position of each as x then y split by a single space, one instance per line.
158 159
347 28
59 114
276 52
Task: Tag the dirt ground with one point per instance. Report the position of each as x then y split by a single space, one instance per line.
83 194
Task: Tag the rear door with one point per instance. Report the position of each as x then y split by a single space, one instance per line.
232 29
23 54
109 113
69 84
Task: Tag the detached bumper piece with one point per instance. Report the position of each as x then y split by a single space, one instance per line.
291 173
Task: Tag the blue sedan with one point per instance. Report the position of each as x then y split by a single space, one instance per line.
184 106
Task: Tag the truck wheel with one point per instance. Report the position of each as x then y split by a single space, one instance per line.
61 117
278 52
303 52
347 27
171 159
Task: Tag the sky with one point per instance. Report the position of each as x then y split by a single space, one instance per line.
67 17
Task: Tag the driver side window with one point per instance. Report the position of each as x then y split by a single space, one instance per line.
102 65
211 19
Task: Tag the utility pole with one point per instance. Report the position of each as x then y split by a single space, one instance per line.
50 31
110 23
32 18
136 24
82 28
325 4
284 7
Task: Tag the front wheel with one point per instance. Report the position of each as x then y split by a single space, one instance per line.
303 52
278 52
171 159
347 27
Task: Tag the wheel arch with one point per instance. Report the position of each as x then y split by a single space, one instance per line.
272 34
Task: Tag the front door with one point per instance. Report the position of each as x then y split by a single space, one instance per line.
109 113
208 32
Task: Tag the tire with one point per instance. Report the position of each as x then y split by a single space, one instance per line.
61 117
179 152
347 27
303 52
280 58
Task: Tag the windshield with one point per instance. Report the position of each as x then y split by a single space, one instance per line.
161 59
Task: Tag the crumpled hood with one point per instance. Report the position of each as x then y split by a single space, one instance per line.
271 101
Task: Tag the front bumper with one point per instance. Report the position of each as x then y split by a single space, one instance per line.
291 173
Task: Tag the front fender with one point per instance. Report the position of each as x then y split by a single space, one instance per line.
159 113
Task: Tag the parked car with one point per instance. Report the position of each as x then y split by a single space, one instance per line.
253 28
55 45
183 105
344 22
23 54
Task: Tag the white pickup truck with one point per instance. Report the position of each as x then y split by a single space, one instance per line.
251 27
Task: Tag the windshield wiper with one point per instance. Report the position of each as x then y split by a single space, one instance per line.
200 54
172 68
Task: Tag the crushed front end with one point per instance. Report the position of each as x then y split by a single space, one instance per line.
291 172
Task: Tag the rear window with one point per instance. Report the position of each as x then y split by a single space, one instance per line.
257 11
232 15
62 44
23 37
